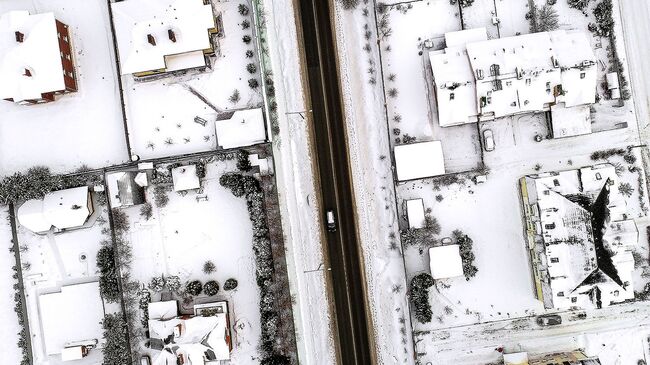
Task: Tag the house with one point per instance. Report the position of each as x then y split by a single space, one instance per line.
577 357
415 213
477 79
159 36
579 237
419 160
185 178
445 262
62 209
126 188
198 339
244 128
36 61
69 317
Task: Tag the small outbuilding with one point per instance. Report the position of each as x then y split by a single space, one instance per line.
415 213
244 128
124 188
419 160
185 178
445 262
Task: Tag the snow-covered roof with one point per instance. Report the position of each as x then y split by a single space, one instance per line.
162 310
493 78
517 358
39 53
30 215
569 122
419 160
62 209
71 315
587 236
68 208
124 190
72 353
415 213
244 128
185 178
198 335
190 21
445 262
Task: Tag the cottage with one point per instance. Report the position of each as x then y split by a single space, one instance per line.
126 188
445 262
36 60
185 178
244 128
63 209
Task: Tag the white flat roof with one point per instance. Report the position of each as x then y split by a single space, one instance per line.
71 315
415 213
185 178
39 52
419 160
445 262
245 128
190 20
67 208
30 215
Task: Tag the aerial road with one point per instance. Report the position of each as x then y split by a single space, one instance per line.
352 332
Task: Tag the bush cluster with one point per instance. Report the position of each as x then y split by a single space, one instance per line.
605 154
33 184
109 286
419 295
466 254
18 308
116 350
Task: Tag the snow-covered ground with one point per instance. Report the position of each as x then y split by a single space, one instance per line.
373 187
181 236
55 260
160 113
301 217
85 127
11 353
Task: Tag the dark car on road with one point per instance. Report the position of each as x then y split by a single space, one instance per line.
549 320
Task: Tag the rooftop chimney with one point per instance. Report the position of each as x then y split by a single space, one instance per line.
151 39
28 72
19 37
172 35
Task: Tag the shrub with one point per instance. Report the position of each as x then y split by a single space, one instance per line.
109 286
547 19
249 54
146 211
466 254
211 288
115 350
157 284
419 295
243 162
253 83
251 68
230 284
279 359
194 288
625 189
629 158
246 39
349 4
33 184
120 221
578 4
245 24
234 97
173 283
243 10
160 196
208 267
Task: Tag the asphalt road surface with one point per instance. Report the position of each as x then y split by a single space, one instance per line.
336 183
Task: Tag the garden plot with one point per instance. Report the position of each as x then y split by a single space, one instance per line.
161 112
511 15
55 260
195 228
85 127
12 353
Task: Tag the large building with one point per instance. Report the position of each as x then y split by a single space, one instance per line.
477 79
580 237
36 61
158 36
61 209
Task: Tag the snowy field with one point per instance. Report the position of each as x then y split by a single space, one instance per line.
55 260
161 112
85 127
11 353
181 236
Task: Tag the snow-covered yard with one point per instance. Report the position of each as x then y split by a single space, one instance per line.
160 113
195 228
53 261
12 353
85 127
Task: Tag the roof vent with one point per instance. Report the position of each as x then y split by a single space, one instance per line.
19 37
172 35
28 72
151 39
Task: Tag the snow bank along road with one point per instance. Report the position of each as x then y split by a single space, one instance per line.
636 29
336 185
